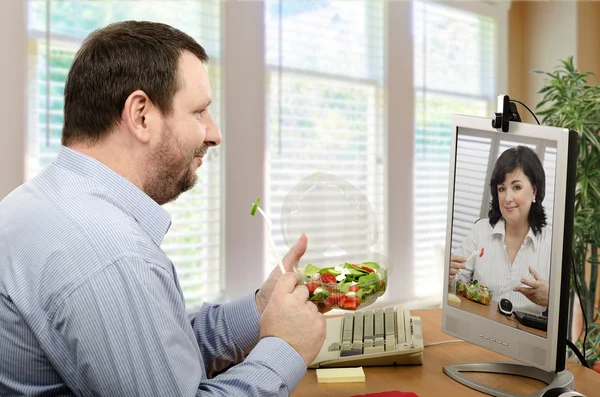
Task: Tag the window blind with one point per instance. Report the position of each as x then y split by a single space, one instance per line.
470 185
325 87
56 30
454 73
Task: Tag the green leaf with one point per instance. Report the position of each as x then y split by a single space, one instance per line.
310 270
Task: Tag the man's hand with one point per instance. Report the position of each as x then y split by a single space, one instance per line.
293 318
289 261
536 290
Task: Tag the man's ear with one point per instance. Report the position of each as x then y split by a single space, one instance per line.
135 114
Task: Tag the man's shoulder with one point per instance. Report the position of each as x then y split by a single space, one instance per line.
36 215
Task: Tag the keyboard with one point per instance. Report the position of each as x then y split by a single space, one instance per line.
371 338
533 321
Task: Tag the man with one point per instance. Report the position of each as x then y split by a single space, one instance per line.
89 303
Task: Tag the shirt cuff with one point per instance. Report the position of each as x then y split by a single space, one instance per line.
281 358
244 321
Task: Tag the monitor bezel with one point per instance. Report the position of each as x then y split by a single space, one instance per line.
484 332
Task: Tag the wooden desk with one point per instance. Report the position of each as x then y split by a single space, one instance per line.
491 311
428 380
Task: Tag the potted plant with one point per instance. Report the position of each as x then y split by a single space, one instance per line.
569 101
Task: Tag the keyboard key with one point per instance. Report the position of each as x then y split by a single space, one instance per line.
348 331
369 338
379 328
357 338
400 325
390 329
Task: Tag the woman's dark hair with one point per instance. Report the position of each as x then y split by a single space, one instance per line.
525 159
115 61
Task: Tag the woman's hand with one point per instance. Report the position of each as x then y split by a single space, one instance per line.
536 290
456 263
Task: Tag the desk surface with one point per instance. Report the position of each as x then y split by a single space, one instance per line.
491 311
428 380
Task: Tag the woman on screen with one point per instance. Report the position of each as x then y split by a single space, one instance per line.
509 252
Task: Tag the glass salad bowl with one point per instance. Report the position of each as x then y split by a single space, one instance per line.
339 268
347 286
475 292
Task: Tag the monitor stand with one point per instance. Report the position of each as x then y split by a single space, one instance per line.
552 379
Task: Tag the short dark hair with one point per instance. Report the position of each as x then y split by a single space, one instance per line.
115 61
525 159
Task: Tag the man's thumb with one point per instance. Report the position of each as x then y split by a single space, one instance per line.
300 247
295 253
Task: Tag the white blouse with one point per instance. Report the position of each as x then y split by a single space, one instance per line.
494 269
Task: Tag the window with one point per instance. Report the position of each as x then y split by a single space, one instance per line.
454 60
56 29
325 76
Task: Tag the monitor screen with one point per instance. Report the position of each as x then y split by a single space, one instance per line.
506 233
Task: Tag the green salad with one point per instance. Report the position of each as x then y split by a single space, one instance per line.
346 286
474 291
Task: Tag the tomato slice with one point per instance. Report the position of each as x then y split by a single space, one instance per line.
312 286
353 288
328 278
361 267
349 302
333 299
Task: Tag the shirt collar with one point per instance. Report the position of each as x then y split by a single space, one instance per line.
153 219
500 229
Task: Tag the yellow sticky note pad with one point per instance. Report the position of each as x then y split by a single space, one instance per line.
340 375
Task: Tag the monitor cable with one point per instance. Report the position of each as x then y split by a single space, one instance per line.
526 107
585 324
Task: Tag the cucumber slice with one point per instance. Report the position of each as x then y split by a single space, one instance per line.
372 265
255 206
330 270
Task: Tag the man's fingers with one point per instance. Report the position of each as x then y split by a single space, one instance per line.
458 259
287 283
295 253
301 292
453 271
312 306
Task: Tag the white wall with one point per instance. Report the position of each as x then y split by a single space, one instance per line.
13 83
244 145
400 150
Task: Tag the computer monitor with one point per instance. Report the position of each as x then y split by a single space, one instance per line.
494 179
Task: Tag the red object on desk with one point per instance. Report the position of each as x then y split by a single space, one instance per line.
394 393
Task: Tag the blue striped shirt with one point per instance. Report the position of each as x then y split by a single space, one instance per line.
91 305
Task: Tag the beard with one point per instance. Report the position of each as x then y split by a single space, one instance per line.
172 172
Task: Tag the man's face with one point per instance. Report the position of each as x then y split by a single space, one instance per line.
186 135
515 196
